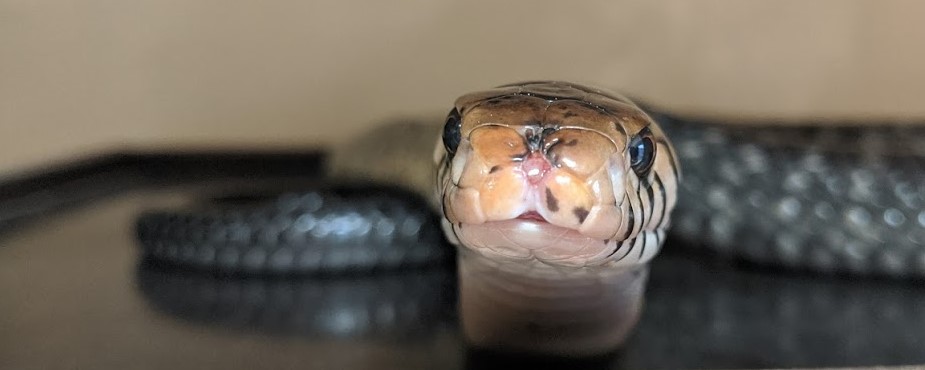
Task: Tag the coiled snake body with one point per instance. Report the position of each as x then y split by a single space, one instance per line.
559 194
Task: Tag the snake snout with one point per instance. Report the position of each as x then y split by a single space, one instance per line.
537 205
549 177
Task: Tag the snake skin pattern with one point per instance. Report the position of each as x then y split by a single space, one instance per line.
847 200
327 231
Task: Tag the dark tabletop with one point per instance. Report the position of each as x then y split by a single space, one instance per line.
76 294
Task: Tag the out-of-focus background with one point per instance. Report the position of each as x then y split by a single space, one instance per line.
79 78
98 257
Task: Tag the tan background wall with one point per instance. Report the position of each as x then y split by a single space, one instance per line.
80 77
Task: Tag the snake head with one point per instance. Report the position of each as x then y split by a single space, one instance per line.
556 173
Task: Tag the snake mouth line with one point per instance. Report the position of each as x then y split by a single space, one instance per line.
532 216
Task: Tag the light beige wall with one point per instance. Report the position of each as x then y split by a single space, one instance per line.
80 77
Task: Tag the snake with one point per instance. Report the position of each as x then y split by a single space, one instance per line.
558 195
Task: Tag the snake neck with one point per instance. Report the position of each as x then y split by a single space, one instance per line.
541 311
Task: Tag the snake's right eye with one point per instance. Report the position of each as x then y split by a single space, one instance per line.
642 152
452 131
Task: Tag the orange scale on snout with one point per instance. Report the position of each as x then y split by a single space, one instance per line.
582 152
503 194
497 151
497 145
567 199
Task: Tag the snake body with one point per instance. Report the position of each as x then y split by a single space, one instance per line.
827 199
832 199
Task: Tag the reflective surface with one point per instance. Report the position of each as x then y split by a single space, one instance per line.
76 296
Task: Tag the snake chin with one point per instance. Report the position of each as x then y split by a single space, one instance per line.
530 237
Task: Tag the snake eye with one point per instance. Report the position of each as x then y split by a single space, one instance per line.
451 131
642 152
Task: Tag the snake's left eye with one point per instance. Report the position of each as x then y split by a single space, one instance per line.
451 131
642 152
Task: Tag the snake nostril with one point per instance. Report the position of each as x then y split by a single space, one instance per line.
535 166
